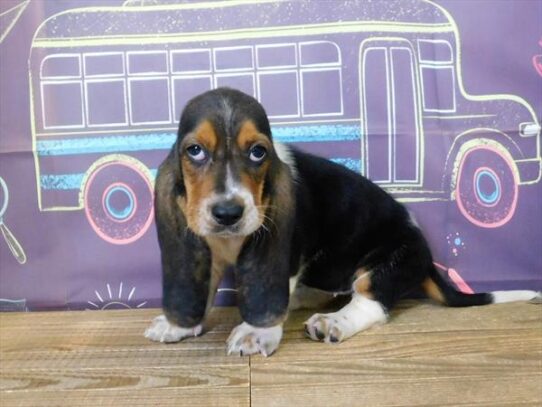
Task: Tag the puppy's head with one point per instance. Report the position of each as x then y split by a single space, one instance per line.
227 162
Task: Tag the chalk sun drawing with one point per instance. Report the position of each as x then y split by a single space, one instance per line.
114 299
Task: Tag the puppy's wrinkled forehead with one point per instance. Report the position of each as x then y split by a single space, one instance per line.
226 154
226 111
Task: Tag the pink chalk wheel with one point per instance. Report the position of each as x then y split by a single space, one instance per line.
118 200
487 187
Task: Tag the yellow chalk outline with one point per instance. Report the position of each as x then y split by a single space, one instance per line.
419 116
272 32
20 8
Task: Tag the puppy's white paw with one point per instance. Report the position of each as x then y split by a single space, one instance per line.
246 339
359 314
161 330
326 327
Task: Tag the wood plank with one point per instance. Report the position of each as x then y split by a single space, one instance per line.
426 355
102 358
209 397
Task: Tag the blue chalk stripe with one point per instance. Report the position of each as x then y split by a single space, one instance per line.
164 141
69 181
105 144
73 181
350 163
316 133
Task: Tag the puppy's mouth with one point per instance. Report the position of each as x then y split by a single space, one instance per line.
226 231
228 217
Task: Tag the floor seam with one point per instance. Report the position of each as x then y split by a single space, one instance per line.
250 381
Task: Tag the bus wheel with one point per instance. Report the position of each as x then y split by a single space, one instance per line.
118 201
486 190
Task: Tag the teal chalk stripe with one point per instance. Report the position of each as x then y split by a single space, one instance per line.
106 144
163 141
316 133
62 182
350 163
67 182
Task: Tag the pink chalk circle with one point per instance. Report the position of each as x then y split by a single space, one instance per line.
487 187
118 201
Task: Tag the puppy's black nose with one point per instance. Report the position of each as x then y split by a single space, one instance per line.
227 213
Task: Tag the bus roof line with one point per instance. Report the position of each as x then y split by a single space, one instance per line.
182 6
458 63
251 33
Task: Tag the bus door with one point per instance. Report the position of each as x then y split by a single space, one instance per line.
390 114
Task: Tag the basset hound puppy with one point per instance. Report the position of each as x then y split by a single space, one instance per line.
296 229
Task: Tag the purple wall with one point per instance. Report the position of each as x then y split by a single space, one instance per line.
398 109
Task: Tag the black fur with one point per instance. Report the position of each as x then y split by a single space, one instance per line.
330 220
345 222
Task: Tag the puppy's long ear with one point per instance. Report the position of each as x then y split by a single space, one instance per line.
186 260
178 170
264 264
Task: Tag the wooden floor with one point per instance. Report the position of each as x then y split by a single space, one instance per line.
427 355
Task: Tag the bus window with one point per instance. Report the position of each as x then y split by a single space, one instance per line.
438 77
321 81
273 61
145 109
185 88
438 88
103 65
243 82
319 53
233 59
62 104
191 61
105 89
276 56
148 75
61 66
279 93
147 63
105 102
238 60
435 51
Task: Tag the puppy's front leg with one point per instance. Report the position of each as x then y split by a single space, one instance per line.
186 281
263 291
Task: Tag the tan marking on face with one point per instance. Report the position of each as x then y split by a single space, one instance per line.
198 180
362 284
432 290
247 137
205 135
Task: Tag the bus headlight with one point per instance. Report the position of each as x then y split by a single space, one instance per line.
529 129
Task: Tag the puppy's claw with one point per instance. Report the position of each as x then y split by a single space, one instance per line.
247 340
161 330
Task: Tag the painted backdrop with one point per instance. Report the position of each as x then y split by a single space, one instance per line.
439 102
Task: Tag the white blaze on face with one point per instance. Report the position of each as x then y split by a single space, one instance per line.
234 190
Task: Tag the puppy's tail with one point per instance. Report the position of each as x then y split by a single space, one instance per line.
437 288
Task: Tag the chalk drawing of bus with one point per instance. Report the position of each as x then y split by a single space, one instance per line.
375 86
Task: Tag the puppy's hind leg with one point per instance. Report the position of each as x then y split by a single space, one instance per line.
360 313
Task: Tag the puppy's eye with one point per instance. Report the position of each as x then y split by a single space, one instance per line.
196 152
257 153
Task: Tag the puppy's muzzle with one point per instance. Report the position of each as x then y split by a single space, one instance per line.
227 213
